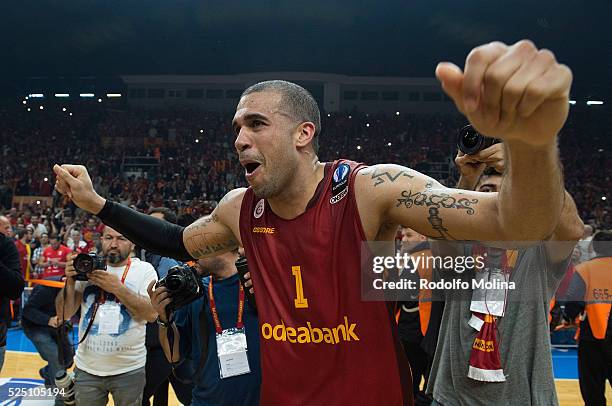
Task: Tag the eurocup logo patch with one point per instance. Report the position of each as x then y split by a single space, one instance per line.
259 209
341 172
340 183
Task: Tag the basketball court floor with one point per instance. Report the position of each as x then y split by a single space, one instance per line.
22 363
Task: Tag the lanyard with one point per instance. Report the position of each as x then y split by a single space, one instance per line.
213 307
125 272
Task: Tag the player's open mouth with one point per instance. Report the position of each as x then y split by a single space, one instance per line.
251 168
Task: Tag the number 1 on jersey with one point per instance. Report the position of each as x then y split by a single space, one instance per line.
300 302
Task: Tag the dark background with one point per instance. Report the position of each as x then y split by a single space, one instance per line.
357 37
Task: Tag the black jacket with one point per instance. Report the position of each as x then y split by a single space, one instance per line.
11 282
40 307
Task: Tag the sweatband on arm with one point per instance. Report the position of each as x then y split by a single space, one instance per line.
148 232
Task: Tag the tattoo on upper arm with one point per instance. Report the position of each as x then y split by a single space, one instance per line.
202 245
213 218
202 241
438 200
380 176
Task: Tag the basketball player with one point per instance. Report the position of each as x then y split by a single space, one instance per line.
302 222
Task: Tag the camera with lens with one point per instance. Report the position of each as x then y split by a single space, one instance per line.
243 267
86 263
184 286
470 141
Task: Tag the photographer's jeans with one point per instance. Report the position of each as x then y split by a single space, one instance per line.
126 389
46 344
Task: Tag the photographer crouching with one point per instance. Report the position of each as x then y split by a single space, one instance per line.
112 294
218 331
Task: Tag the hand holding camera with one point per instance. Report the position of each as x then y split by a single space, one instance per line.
69 271
180 287
474 165
160 298
84 264
106 281
476 152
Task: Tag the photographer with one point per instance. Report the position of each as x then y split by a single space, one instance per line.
114 312
158 369
517 368
238 384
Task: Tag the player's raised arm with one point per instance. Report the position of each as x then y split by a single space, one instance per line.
521 95
208 236
407 197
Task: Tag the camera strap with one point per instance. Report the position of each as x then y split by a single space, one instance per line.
93 315
91 321
125 272
62 334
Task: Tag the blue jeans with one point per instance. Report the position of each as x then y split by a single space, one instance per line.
45 341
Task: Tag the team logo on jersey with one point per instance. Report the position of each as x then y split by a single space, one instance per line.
259 209
340 183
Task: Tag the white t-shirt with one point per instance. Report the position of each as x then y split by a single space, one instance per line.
104 354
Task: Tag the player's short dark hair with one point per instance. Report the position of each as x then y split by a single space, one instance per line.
602 243
297 101
21 232
169 215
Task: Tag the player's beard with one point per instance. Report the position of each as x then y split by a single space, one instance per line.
279 177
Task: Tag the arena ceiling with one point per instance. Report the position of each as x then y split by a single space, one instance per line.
354 37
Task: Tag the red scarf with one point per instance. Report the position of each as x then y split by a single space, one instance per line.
485 361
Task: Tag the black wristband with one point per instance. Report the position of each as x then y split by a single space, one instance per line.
148 232
104 213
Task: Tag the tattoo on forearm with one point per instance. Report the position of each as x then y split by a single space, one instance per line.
380 177
436 223
437 200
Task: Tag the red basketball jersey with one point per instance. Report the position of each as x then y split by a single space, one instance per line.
320 343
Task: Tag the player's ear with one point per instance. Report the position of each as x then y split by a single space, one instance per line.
306 133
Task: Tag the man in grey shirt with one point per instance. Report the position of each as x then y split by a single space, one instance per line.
523 333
